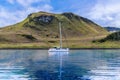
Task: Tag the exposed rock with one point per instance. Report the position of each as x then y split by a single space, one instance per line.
68 15
71 15
43 19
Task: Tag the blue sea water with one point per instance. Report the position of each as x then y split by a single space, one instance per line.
75 65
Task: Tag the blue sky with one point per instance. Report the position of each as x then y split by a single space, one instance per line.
103 12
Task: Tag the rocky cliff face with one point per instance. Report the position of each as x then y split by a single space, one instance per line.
43 18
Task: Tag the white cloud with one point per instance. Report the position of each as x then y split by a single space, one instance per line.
24 2
27 2
11 1
106 11
8 17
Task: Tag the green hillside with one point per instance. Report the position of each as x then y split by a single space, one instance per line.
112 40
115 36
42 28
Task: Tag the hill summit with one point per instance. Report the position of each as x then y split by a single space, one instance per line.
43 25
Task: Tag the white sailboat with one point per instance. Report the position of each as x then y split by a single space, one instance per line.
60 49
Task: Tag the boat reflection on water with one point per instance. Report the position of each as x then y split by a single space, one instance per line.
59 55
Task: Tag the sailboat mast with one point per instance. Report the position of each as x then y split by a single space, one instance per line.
60 35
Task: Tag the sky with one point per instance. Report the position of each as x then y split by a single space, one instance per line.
102 12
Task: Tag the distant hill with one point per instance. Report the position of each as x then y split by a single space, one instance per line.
42 26
112 29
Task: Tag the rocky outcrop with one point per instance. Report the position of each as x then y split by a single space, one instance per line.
68 15
43 19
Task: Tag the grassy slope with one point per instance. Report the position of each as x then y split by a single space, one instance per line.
79 31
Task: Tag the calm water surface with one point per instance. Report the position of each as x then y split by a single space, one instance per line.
75 65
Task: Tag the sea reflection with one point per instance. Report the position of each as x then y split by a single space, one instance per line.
75 65
59 55
13 73
110 69
19 64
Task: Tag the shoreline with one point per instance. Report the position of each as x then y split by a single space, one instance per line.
69 48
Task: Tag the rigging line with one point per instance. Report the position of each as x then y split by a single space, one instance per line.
65 36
